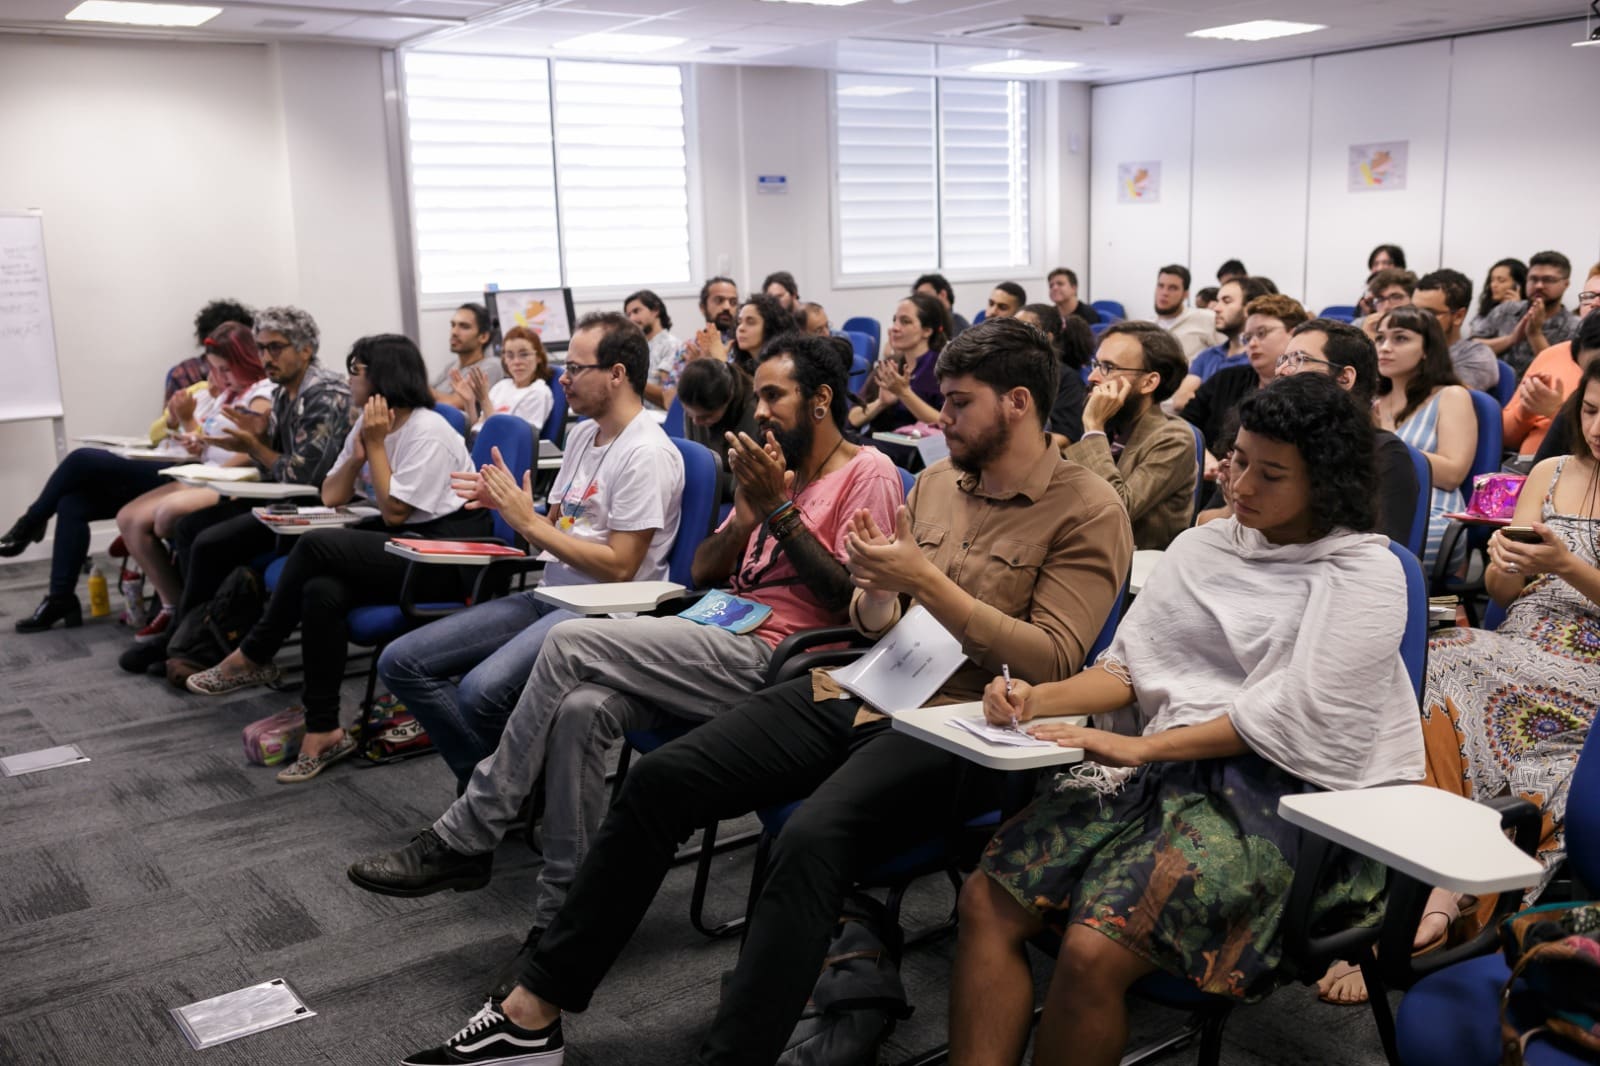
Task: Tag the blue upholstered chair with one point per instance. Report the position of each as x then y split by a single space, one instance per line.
1418 539
1111 309
673 424
1485 460
1506 387
868 327
453 415
1339 312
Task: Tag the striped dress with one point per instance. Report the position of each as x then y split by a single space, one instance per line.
1421 431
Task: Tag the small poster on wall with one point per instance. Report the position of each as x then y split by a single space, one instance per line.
1139 183
1378 167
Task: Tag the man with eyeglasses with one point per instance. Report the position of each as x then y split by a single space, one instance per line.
1529 419
1387 289
1447 296
1268 320
1146 455
1518 330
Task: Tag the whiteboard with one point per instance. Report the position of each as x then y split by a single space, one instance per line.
27 333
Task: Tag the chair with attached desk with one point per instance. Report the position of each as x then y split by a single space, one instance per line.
1485 460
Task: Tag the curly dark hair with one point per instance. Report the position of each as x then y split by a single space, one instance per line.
1434 372
816 363
774 321
216 313
1333 435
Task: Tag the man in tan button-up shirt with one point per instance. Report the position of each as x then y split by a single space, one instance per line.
1017 551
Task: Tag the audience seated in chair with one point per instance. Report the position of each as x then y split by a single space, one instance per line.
193 370
718 400
470 334
937 286
1063 283
781 286
1508 711
647 311
812 320
1165 852
523 393
1005 300
400 455
614 516
1268 322
1195 329
1447 296
1517 330
1421 401
1233 296
1552 376
1139 364
781 549
1049 552
1506 280
719 306
904 387
237 380
1066 416
760 318
1387 289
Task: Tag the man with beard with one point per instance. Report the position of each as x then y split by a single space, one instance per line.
1228 312
1137 366
1518 330
469 343
719 304
781 554
1015 551
1194 329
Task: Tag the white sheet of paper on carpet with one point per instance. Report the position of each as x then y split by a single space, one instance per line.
235 1014
31 762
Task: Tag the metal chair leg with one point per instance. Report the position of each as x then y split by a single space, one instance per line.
1377 995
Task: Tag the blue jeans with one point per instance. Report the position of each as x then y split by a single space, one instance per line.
492 647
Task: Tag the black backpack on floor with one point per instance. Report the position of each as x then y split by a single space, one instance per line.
205 636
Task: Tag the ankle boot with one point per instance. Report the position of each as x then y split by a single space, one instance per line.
20 535
53 609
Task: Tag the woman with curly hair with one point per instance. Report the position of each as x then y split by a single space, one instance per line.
760 318
1261 660
1423 403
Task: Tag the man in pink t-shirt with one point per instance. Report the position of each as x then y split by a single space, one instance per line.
782 550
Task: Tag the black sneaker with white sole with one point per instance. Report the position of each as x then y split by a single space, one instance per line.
492 1039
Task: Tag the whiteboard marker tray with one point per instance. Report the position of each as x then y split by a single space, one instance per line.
243 1013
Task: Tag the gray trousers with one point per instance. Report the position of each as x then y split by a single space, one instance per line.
595 679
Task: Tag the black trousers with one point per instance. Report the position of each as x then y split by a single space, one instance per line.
210 543
88 485
331 571
871 792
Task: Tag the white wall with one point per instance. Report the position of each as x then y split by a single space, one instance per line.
171 174
1499 164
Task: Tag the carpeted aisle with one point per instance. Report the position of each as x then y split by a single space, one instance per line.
168 870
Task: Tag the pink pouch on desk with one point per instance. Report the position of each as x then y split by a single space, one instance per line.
1495 495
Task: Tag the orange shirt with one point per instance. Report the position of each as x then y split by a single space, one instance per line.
1523 430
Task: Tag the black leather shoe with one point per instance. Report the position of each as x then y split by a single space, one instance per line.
53 609
141 658
505 978
19 536
421 868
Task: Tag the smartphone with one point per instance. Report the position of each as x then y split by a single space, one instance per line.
283 508
1521 534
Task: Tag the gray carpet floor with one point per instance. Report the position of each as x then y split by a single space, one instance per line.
168 870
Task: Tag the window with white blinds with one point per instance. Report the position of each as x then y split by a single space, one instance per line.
530 174
932 173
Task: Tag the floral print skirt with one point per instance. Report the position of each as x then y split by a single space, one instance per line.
1187 866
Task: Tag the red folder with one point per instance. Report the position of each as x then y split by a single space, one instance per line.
455 547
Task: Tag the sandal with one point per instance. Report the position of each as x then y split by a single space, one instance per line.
1344 986
214 682
308 766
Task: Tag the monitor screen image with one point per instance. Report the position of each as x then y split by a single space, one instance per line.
548 312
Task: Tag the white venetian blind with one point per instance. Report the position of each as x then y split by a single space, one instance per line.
483 185
888 219
622 164
983 139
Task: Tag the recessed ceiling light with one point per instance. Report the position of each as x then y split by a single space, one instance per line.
1023 66
1259 30
131 14
820 3
632 44
875 90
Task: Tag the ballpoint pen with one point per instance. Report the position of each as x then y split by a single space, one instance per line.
1005 672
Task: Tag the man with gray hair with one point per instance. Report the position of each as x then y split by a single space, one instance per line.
296 442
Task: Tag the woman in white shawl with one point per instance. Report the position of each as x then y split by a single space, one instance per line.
1261 659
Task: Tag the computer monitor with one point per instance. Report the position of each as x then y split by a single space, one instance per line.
548 312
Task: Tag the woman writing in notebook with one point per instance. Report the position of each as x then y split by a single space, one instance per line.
400 455
1164 851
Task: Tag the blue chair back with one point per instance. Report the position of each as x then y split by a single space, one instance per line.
980 316
1420 514
1109 630
907 480
869 328
1113 308
674 422
1098 328
1200 466
862 344
1338 312
1414 641
860 370
514 438
1506 387
699 510
1493 615
1583 816
555 430
453 415
1486 460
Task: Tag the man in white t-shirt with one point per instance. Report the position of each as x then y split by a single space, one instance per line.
646 310
613 517
780 553
1194 329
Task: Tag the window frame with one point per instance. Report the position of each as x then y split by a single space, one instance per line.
882 279
596 294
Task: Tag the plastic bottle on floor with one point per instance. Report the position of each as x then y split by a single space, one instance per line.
99 594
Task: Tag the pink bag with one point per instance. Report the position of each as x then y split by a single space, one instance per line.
1495 495
270 741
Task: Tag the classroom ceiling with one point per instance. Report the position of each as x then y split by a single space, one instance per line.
1114 40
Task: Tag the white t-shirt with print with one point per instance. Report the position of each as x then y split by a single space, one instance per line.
423 453
663 354
532 404
634 482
